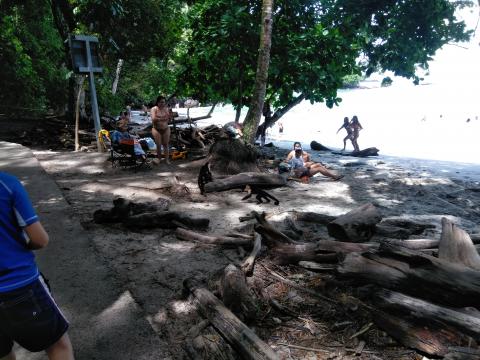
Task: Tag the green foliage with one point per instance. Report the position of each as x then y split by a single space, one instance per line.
31 61
316 45
352 81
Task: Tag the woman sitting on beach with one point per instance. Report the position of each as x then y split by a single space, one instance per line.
161 116
346 125
122 137
302 165
356 127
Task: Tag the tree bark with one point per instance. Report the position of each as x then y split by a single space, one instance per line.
255 109
79 87
117 76
416 274
457 247
235 293
239 336
357 225
426 313
239 181
188 235
249 262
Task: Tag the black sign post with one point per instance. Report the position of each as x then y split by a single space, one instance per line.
85 60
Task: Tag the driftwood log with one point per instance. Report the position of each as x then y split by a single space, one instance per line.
372 151
357 225
235 293
416 274
457 247
183 234
249 262
166 220
312 217
428 313
318 147
238 335
324 251
239 181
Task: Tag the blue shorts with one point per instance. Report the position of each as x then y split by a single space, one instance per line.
30 317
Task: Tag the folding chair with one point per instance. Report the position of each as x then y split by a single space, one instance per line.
122 155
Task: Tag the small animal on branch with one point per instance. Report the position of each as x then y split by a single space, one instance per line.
261 195
204 176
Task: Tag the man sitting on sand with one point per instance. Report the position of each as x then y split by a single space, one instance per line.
302 165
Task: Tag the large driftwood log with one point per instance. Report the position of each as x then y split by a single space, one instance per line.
239 336
414 244
324 251
318 147
183 234
357 225
247 265
371 151
235 293
307 216
416 274
430 341
426 313
166 220
457 247
261 180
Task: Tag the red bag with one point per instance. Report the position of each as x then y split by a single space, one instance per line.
127 142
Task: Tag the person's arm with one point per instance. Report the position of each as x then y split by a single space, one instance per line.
289 156
153 113
341 127
37 235
306 157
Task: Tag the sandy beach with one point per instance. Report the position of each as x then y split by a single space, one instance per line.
152 264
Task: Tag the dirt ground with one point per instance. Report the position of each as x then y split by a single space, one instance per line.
154 263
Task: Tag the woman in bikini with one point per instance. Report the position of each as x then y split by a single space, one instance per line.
356 127
161 116
303 165
348 128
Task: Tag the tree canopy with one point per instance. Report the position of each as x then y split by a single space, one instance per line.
315 44
208 49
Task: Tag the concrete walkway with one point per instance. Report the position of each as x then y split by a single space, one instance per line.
105 321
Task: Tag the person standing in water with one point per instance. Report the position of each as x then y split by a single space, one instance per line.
161 116
348 128
356 127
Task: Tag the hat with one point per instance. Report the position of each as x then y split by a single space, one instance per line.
122 123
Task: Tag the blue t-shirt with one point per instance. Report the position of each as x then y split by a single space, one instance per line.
17 263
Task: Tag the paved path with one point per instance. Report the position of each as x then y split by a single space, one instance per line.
105 321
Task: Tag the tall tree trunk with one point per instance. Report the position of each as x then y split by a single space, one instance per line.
238 111
64 19
117 76
81 80
255 109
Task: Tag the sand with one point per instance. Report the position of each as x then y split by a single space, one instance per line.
152 264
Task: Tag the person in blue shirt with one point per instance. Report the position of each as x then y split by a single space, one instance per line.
121 134
28 313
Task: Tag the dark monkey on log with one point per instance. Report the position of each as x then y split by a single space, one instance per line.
204 176
261 195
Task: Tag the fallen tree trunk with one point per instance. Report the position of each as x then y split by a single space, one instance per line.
318 147
235 293
188 235
430 341
166 220
357 225
426 313
416 274
239 336
414 244
247 265
324 251
457 247
239 181
313 217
